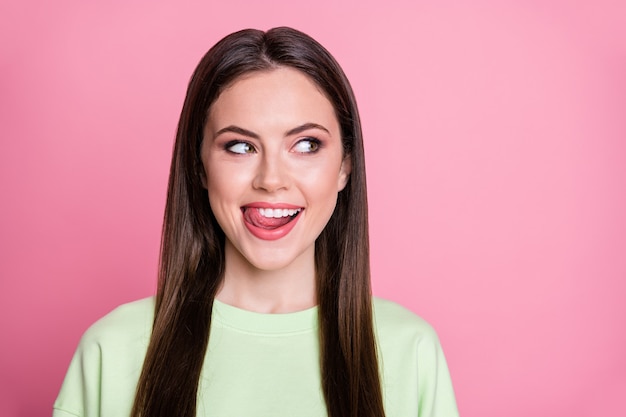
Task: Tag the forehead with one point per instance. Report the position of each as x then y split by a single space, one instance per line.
278 95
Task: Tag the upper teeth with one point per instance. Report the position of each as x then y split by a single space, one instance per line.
277 213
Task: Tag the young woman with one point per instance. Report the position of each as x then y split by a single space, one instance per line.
263 305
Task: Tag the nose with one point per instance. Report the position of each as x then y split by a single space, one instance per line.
272 174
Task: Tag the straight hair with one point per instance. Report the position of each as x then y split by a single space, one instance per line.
192 245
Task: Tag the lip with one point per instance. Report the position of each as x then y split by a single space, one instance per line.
273 234
272 206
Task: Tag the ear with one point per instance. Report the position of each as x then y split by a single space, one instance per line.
344 172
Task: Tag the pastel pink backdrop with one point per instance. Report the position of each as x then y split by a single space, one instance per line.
495 137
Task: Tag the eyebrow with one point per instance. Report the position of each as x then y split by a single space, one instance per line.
306 126
251 134
236 129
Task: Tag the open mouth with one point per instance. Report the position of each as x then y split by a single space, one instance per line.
269 218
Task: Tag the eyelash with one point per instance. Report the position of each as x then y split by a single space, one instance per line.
228 147
316 144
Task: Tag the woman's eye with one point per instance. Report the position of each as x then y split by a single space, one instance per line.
308 145
240 147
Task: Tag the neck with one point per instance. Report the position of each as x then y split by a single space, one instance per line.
285 290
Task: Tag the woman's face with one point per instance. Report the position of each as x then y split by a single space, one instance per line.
273 164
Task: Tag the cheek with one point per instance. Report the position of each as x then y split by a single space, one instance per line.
220 186
227 185
226 176
323 183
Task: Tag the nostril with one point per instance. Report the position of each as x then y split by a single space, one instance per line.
271 180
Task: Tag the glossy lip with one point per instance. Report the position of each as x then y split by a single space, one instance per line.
272 206
273 234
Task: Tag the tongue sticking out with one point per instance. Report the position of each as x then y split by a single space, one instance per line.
253 217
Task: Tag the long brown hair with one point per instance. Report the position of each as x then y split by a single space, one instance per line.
192 247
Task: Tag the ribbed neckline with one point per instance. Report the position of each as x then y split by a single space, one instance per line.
261 323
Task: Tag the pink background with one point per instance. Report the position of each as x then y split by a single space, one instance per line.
496 149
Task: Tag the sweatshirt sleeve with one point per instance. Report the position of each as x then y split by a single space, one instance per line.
435 391
102 377
80 392
415 377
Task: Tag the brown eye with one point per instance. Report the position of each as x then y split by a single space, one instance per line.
240 147
308 145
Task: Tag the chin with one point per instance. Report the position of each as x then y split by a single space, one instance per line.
271 263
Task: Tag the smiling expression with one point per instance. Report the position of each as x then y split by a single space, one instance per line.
273 166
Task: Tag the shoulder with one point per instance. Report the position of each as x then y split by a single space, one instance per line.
390 317
412 362
396 325
107 363
127 322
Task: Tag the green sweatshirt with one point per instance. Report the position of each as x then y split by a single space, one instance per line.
261 365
